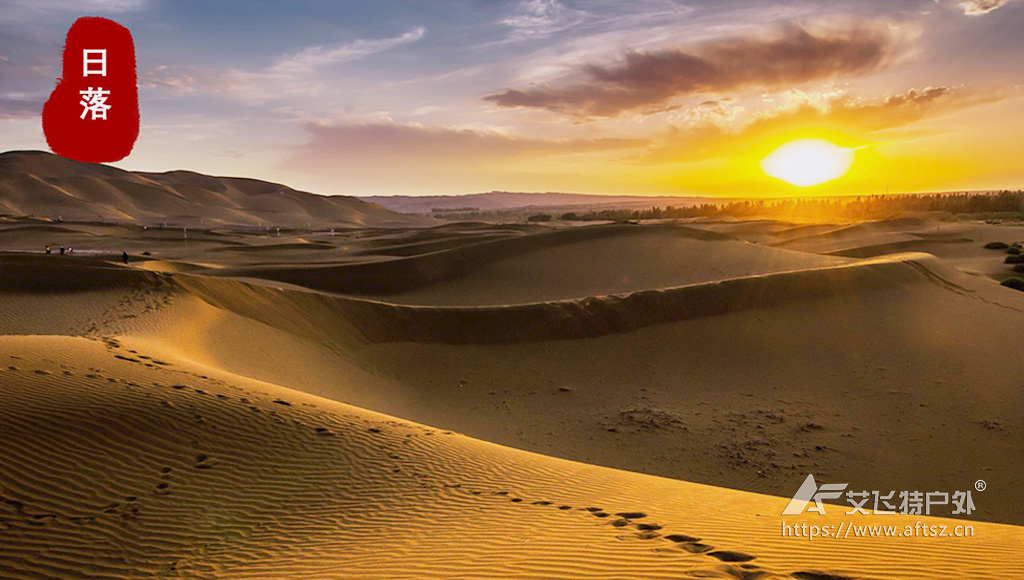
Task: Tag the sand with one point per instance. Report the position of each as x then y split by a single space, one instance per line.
483 401
36 183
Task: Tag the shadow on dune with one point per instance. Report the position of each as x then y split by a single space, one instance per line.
405 274
378 321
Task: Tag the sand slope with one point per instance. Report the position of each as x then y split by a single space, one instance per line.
122 464
43 184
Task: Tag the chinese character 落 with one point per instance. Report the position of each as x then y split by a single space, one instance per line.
94 102
100 59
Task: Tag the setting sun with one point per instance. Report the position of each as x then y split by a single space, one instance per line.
808 162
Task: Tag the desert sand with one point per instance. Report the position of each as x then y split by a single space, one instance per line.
502 401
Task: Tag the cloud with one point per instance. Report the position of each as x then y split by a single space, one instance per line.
646 82
978 7
393 141
78 5
313 57
290 76
16 107
22 10
180 80
535 18
857 120
381 153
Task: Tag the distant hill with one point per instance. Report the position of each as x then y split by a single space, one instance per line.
48 186
503 201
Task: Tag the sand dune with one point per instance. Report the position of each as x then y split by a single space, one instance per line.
558 264
165 419
123 464
45 185
573 318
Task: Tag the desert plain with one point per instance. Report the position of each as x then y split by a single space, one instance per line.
270 390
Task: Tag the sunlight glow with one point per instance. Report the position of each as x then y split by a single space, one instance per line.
808 162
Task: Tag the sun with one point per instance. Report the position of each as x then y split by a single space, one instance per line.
808 162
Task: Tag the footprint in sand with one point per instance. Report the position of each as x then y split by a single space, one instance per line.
729 556
204 461
682 538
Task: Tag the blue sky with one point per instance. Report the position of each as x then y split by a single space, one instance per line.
650 96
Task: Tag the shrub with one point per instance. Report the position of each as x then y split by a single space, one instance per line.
1018 268
1014 259
996 246
1013 250
1017 283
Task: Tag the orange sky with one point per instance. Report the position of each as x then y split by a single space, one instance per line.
647 97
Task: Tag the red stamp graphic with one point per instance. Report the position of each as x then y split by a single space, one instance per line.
93 114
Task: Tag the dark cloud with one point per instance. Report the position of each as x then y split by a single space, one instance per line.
649 81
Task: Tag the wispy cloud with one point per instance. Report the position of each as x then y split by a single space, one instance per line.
379 154
293 74
313 57
978 7
19 107
535 18
649 81
22 10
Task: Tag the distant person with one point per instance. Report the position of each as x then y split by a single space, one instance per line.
49 250
124 257
70 250
62 250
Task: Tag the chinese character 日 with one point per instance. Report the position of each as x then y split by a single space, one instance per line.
100 59
94 103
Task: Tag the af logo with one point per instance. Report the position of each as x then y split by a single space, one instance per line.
809 491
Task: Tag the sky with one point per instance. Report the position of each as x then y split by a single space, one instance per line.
603 96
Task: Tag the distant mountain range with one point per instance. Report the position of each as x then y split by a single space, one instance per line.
40 184
497 201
